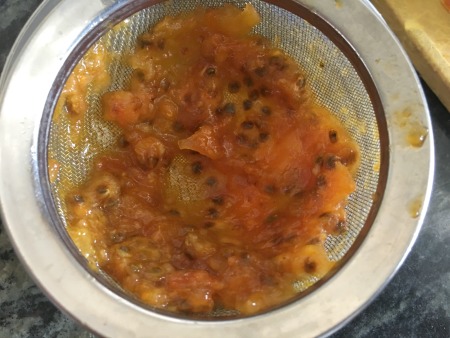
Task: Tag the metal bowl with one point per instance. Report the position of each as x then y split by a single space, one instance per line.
46 45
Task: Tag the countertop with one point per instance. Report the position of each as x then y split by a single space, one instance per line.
416 303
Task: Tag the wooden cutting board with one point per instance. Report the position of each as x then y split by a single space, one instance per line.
423 27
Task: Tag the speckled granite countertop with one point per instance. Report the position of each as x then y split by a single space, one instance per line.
416 303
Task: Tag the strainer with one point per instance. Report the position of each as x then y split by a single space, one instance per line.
361 76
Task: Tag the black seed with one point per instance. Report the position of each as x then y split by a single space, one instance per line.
247 124
187 98
78 199
277 62
261 71
117 237
140 75
110 202
319 160
349 159
145 43
218 200
213 213
70 108
310 266
277 240
161 44
248 81
290 111
153 162
211 181
325 215
322 64
234 87
197 167
208 225
330 163
210 71
242 139
247 104
267 280
332 134
265 91
164 84
245 255
271 218
160 282
341 226
263 137
253 144
189 256
270 189
253 95
288 189
229 108
177 126
266 110
156 269
313 241
174 212
123 143
321 181
102 189
299 194
301 82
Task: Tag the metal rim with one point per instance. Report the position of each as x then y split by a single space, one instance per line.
118 16
37 58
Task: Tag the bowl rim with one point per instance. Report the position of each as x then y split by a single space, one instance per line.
43 47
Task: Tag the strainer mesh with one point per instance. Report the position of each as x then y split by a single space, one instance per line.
334 81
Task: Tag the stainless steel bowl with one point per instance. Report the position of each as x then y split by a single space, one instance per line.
46 45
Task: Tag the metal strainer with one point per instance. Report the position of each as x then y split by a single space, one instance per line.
364 79
335 73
